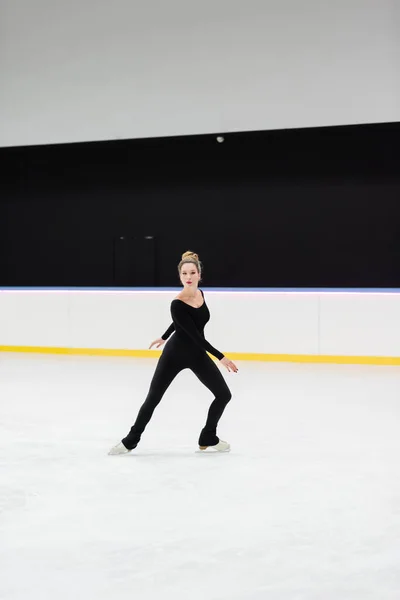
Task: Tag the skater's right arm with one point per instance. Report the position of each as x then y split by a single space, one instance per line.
170 330
160 341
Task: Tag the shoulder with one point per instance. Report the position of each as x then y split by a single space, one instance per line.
177 304
178 308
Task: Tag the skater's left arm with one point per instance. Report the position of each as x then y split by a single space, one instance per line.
183 319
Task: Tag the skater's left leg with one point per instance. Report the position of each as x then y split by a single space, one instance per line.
209 374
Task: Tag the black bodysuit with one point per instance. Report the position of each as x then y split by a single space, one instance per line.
187 349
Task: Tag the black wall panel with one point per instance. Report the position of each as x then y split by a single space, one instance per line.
311 207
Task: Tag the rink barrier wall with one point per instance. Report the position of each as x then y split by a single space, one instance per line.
248 356
345 326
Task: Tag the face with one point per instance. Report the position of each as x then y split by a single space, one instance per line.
190 276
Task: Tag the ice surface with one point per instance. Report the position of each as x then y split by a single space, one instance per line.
305 507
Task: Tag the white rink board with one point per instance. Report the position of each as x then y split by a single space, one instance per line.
365 323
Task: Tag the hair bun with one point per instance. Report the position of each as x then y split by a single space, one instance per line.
190 254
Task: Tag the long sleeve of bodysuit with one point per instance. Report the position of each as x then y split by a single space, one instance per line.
184 321
170 330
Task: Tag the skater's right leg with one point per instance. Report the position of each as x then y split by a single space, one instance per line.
166 371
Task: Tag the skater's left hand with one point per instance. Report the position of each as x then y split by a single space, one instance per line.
229 364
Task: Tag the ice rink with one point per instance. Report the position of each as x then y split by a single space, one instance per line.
305 507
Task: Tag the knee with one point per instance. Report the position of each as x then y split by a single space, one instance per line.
226 396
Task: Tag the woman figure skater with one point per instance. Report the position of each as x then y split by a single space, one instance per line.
187 349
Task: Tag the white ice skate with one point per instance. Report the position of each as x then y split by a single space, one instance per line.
220 447
119 449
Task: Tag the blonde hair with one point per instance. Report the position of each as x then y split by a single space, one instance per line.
190 257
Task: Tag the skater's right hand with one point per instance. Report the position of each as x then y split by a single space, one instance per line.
159 343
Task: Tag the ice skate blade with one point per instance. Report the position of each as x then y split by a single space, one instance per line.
220 447
210 451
